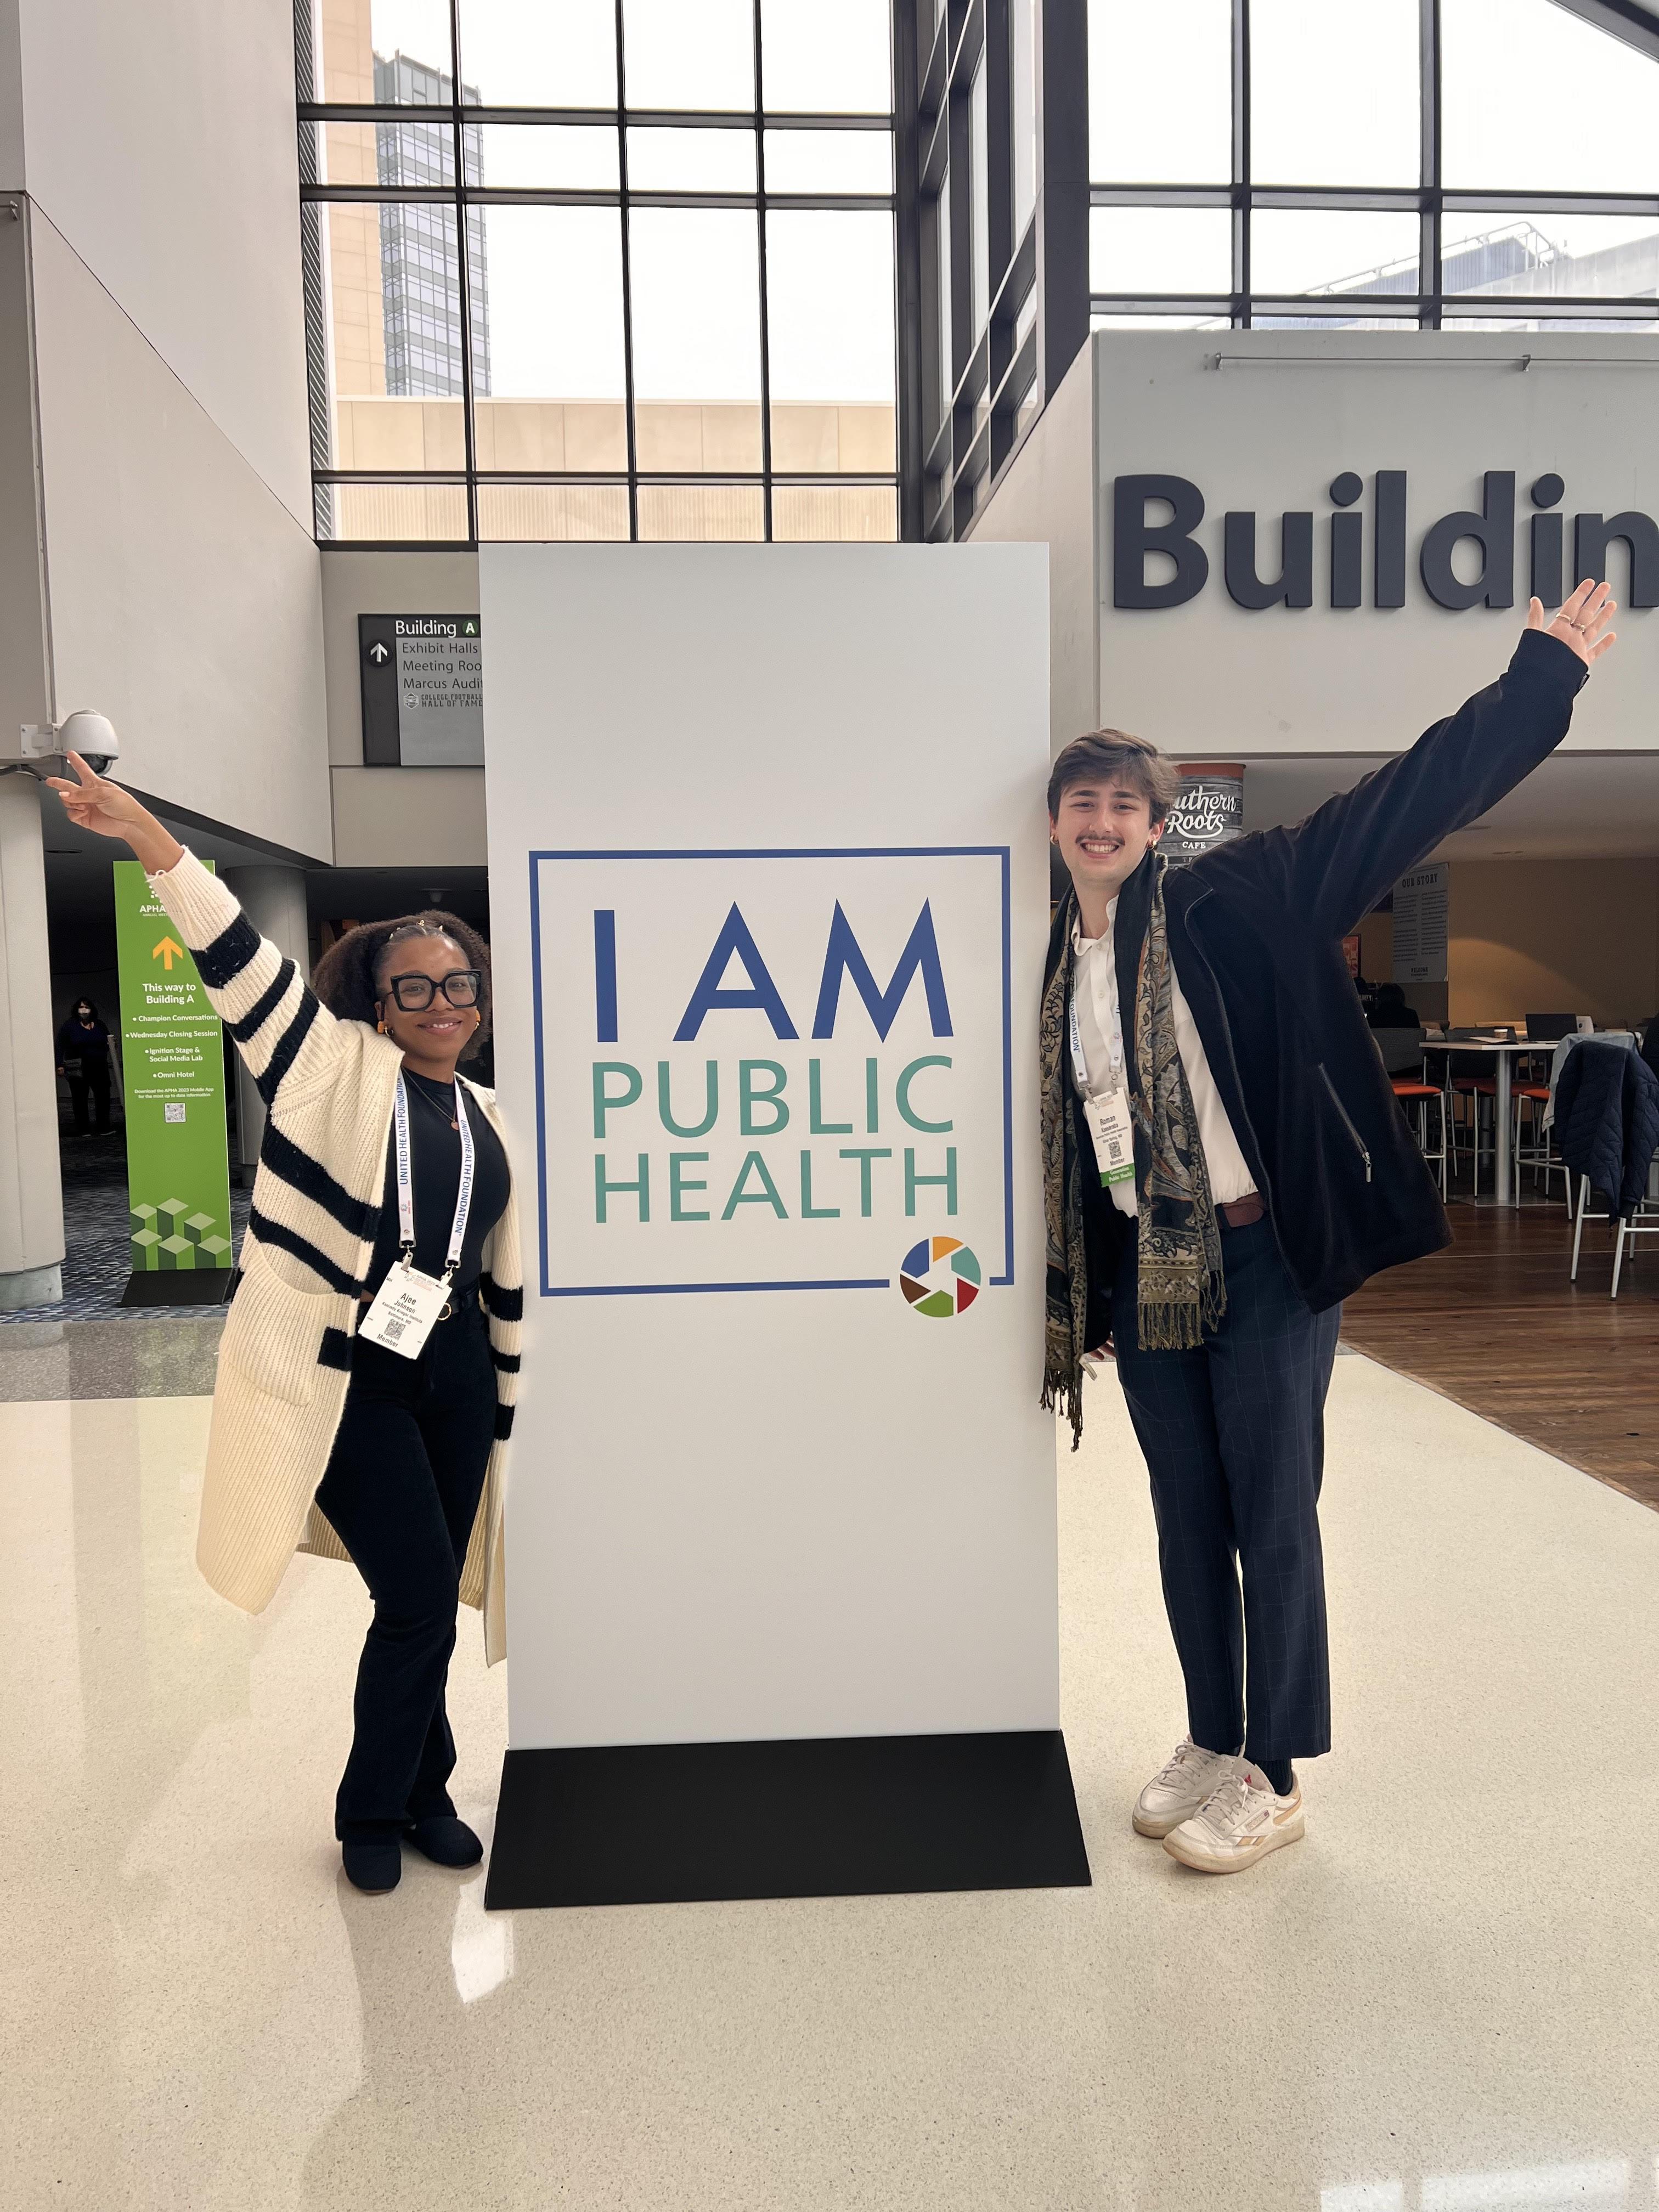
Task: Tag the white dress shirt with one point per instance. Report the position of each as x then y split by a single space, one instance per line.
1101 1029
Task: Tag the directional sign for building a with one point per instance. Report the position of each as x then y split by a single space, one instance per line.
422 691
172 1060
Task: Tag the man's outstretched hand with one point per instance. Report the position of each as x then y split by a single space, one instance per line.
1581 622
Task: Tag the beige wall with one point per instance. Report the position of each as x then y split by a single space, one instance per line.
388 818
1540 937
1554 937
1376 948
675 436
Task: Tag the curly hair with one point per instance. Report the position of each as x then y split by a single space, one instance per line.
349 978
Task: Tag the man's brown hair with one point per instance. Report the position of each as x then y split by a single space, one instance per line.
1113 756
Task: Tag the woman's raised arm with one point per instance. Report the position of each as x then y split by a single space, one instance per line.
278 1025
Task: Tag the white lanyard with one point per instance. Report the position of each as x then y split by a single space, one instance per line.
1115 1032
405 1189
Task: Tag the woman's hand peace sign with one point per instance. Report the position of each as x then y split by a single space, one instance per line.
94 803
1581 622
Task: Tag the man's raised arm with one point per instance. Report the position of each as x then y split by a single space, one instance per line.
1333 867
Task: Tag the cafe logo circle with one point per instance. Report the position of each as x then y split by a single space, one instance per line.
940 1277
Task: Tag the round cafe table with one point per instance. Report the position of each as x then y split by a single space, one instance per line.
1502 1052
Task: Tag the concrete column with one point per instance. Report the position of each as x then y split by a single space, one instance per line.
273 897
31 1188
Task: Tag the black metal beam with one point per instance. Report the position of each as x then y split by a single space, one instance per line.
1634 22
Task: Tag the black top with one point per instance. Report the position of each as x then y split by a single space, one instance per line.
435 1170
81 1043
1254 934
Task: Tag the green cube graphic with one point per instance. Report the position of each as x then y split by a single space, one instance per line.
198 1226
171 1215
140 1217
145 1245
178 1252
214 1252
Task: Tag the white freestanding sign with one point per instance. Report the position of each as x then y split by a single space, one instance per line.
768 897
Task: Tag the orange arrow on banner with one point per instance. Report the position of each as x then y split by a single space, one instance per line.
168 952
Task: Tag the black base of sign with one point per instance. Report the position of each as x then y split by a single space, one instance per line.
662 1824
182 1286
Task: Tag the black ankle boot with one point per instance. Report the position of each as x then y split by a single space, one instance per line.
445 1840
373 1867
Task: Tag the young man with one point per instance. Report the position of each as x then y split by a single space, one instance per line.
1224 1163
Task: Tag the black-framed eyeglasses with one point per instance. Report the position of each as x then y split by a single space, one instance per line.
460 987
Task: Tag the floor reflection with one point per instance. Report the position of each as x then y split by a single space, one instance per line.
1591 2185
1439 2001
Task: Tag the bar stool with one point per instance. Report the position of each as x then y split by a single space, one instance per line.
1422 1095
1479 1089
1539 1153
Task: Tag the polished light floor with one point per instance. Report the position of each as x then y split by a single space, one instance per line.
1447 1998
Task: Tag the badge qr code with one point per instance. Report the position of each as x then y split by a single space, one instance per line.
174 1111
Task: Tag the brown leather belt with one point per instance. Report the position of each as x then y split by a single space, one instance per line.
1240 1212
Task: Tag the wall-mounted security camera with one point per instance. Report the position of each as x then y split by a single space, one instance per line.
90 734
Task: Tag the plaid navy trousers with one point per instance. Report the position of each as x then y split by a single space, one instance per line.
1233 1435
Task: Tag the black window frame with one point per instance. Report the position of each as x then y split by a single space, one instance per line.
465 199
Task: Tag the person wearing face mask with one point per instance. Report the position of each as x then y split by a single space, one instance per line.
370 1357
83 1062
1224 1163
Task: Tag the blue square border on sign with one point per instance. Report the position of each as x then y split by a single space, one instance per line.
999 853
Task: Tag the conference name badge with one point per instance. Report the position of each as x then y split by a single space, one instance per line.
409 1301
1114 1136
405 1307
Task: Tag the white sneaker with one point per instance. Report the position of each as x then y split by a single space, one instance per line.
1181 1785
1240 1822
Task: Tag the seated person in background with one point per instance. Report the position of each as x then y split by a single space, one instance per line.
1389 1010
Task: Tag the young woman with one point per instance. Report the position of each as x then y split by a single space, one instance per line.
370 1357
83 1058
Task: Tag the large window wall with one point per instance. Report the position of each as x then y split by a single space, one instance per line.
1325 164
636 281
1445 164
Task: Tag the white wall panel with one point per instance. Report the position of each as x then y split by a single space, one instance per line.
185 601
159 139
1270 431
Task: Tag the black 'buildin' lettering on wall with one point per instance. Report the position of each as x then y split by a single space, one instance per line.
1138 533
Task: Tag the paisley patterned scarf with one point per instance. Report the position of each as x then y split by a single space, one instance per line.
1181 1289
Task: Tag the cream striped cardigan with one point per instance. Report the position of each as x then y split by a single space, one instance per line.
328 1087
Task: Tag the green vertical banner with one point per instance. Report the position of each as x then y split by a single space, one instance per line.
172 1065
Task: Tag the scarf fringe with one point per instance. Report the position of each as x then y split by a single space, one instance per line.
1062 1393
1174 1325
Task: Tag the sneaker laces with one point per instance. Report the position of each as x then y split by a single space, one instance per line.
1180 1759
1229 1801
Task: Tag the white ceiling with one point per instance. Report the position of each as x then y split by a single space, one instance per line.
1576 806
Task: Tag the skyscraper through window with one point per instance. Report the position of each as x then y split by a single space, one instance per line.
420 268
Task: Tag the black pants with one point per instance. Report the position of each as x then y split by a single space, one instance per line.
401 1490
1233 1435
88 1076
